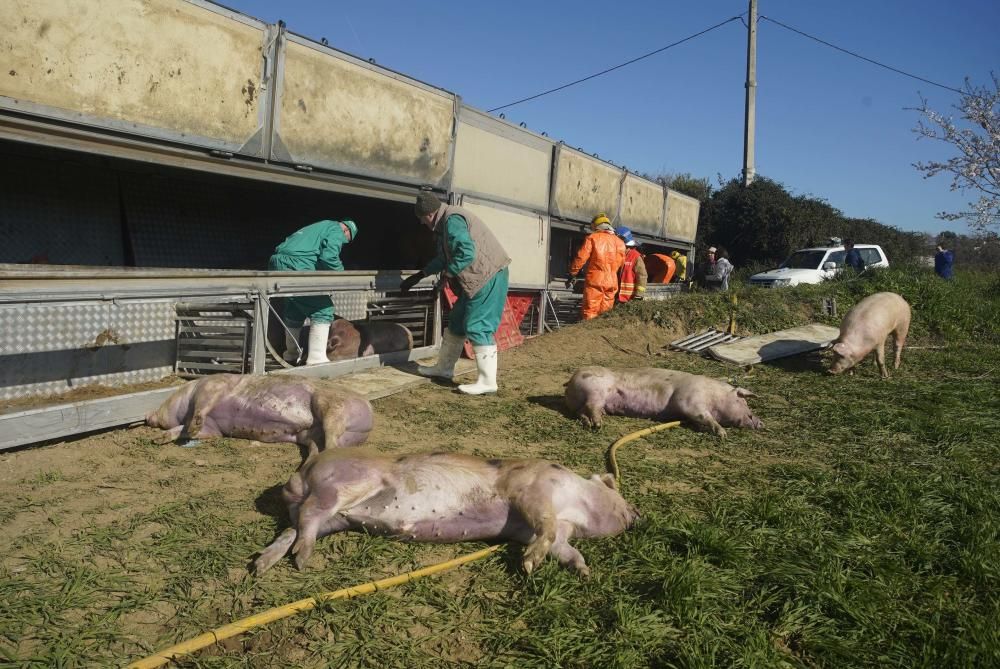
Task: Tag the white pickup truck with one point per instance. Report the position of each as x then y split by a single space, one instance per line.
813 265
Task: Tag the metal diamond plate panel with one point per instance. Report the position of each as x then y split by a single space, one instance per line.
79 227
351 304
48 349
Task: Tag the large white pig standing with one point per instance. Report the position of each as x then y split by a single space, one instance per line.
448 497
660 394
866 326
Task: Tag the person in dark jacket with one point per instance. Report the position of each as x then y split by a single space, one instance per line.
853 257
944 262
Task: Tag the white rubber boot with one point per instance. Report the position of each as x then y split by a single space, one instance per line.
291 353
486 363
451 349
318 334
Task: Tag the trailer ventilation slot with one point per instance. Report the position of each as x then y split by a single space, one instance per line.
214 338
699 343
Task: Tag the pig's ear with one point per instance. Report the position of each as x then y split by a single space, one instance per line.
743 392
608 480
839 349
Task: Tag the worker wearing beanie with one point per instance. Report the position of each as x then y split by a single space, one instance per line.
315 247
467 251
632 280
604 254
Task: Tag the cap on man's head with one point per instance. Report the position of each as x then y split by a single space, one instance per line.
600 219
352 227
712 249
427 203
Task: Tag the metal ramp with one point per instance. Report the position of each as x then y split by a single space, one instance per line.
700 342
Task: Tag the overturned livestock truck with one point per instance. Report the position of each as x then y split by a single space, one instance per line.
154 154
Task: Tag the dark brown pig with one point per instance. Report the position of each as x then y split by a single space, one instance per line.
447 497
659 394
265 408
354 339
866 326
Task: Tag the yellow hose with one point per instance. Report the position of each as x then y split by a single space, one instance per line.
240 626
613 461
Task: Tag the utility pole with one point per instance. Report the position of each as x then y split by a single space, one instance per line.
749 125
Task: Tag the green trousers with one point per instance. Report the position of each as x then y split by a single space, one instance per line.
317 308
477 318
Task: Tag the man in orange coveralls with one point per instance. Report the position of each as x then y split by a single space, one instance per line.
603 253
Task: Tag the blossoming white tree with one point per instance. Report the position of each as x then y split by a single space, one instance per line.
976 137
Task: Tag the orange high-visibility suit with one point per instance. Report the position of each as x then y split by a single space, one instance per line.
603 253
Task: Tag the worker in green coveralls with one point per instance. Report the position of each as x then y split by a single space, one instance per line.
468 252
315 247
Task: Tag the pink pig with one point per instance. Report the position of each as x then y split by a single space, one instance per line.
866 326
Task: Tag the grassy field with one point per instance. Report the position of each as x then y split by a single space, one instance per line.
860 528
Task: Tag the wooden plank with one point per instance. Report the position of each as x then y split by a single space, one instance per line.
774 345
62 420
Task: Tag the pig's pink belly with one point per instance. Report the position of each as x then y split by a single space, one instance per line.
634 403
268 430
489 520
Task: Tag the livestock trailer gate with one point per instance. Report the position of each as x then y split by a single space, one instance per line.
154 153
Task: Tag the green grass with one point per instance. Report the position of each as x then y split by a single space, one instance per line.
859 529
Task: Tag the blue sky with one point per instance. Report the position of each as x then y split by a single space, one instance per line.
828 125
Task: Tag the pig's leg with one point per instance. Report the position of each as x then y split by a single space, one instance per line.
277 550
204 401
899 336
704 419
169 435
880 359
540 516
567 555
593 414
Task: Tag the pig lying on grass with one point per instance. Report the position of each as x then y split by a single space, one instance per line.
447 497
265 408
866 326
659 394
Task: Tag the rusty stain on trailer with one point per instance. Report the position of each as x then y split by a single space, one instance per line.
120 61
682 215
585 186
361 119
642 205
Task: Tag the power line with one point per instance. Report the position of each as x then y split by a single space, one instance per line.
857 55
616 67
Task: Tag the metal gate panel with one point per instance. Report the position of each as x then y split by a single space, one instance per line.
681 216
186 71
523 235
340 113
52 348
79 227
501 162
583 186
642 206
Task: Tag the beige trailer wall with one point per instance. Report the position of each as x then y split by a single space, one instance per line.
682 216
584 186
166 64
338 114
642 206
523 235
501 168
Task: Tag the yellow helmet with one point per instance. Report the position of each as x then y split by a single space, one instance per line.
600 218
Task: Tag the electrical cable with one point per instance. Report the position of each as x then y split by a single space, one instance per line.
857 55
616 67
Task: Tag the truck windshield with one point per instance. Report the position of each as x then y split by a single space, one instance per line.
804 260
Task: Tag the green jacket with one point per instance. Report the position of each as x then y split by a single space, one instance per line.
317 245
